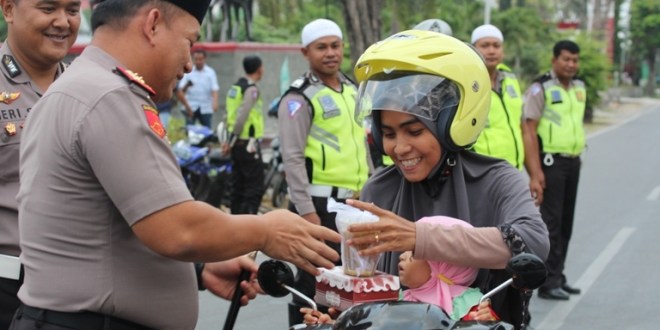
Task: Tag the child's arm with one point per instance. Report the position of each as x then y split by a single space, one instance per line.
483 313
315 317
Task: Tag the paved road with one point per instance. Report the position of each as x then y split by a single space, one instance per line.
613 255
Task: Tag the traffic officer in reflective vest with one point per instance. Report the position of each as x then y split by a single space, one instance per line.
502 136
554 139
37 41
245 122
324 150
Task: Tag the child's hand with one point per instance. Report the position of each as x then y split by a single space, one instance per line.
315 317
484 312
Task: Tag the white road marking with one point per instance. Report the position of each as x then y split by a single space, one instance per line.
653 196
556 317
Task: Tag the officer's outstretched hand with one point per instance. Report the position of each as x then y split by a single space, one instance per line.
220 278
390 233
292 238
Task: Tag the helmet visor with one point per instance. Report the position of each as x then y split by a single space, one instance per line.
422 95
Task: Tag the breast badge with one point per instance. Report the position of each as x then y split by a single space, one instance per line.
8 98
153 120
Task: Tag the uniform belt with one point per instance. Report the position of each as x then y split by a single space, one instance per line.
78 321
565 155
330 191
10 267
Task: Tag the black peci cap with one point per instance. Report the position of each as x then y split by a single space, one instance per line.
197 8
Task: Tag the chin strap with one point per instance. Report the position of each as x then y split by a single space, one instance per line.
433 184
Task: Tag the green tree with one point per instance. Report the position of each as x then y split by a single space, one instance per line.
644 27
522 43
594 70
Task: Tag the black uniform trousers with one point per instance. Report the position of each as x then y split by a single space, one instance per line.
306 282
557 211
247 179
8 300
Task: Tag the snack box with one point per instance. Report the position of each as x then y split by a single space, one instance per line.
336 289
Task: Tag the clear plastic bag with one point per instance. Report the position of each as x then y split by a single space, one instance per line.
353 263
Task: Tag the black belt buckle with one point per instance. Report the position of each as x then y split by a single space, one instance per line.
334 193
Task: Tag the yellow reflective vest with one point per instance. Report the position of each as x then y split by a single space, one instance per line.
254 124
502 136
560 128
336 144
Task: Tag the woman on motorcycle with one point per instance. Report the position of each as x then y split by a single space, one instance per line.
428 95
433 282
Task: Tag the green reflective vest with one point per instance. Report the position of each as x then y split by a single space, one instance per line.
254 124
502 136
336 144
560 128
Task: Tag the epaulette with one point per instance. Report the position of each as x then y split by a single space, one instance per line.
300 83
134 78
543 78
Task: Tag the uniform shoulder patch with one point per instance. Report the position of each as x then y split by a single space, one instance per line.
134 78
153 120
293 106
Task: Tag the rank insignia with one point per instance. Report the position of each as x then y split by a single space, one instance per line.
8 98
153 120
11 66
135 79
10 128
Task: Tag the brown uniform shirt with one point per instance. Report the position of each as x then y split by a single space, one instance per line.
17 96
92 165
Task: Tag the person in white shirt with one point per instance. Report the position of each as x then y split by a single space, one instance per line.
198 90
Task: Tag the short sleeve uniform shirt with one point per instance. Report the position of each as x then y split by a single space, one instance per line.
94 161
17 96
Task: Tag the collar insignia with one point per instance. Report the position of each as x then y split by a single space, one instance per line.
135 79
8 98
10 128
153 120
11 66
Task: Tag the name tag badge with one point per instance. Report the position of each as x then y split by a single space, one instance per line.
330 108
232 93
556 97
511 91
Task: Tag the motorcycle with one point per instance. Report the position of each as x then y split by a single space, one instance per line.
275 176
205 170
527 271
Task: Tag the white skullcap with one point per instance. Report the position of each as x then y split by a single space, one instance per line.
319 28
435 25
487 30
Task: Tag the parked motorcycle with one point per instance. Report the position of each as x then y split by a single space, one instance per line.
205 170
275 176
527 273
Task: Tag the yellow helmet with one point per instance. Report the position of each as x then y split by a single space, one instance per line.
431 75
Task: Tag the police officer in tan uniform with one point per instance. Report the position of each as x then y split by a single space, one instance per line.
324 150
109 231
31 56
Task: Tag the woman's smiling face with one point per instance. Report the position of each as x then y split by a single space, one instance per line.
410 144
